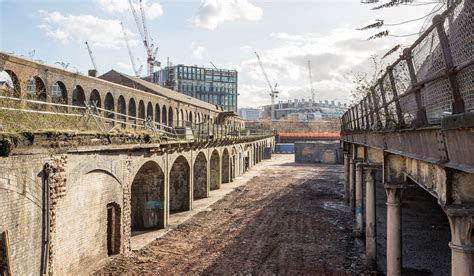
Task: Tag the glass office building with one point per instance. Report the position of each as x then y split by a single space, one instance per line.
215 86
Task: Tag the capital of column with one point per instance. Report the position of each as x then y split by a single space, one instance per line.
394 193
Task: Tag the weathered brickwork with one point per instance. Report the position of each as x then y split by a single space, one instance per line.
21 182
83 185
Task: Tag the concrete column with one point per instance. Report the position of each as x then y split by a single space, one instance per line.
346 177
359 205
351 184
394 230
370 220
462 247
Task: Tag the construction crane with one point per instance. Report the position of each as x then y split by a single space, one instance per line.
311 80
150 48
135 69
213 65
92 57
273 91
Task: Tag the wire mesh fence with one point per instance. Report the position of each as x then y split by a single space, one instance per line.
433 78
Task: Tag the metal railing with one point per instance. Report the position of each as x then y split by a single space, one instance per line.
433 78
105 120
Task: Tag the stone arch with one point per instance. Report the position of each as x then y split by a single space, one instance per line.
164 115
200 176
225 168
59 94
132 111
215 169
13 88
147 198
170 116
36 89
149 110
78 96
95 98
190 119
158 114
180 182
109 105
141 110
122 109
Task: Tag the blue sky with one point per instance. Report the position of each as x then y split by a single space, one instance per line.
285 33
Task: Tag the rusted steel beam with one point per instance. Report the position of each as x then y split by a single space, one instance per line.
395 96
458 102
420 118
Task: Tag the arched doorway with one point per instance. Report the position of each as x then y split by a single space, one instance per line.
215 171
132 111
225 167
148 193
94 98
12 84
180 185
78 96
164 116
200 176
122 109
109 104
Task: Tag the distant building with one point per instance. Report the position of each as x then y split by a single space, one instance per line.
215 86
305 110
249 114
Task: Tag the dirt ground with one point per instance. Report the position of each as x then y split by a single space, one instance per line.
290 219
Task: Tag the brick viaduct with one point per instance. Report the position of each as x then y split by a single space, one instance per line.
68 207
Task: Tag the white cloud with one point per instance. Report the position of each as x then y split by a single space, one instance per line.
197 51
213 12
153 9
103 33
333 57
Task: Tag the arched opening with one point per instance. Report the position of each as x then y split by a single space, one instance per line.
180 186
78 96
170 117
59 93
225 167
109 105
132 111
149 111
141 111
215 171
157 115
181 118
11 86
164 116
94 99
36 89
148 194
200 176
122 109
190 117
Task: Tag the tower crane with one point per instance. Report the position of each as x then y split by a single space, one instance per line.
92 57
135 69
273 91
150 48
311 80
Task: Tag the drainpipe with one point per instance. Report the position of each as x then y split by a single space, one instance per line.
45 233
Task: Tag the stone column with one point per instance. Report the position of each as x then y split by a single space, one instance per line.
351 184
370 220
462 247
359 206
346 177
394 229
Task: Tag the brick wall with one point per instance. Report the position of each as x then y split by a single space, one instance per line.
21 210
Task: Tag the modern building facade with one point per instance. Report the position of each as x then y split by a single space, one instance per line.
305 110
249 114
215 86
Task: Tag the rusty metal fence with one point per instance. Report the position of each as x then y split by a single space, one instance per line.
432 79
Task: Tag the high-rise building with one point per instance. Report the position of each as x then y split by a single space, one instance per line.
215 86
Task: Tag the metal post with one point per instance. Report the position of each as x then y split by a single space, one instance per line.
371 110
359 207
366 108
376 107
458 102
370 220
384 102
420 119
395 96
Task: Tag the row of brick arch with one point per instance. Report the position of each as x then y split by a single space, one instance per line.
148 184
114 107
